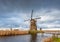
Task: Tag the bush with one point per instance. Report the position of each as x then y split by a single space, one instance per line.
33 32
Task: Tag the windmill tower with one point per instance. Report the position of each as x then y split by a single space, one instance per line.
33 21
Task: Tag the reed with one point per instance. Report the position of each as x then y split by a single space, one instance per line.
13 32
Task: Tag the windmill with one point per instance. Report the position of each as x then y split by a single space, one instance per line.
33 21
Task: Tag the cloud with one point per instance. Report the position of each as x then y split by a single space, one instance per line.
50 18
15 12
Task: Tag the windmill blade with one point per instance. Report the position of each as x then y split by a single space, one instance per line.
31 14
38 18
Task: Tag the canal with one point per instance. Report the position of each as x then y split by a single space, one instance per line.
25 38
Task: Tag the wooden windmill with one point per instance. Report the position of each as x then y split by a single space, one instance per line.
33 21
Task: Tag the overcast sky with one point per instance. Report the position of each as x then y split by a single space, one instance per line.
14 12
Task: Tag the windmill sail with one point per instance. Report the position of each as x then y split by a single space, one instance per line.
31 14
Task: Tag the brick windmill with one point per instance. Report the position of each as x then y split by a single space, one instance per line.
33 21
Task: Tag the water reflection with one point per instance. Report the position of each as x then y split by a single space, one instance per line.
36 37
33 38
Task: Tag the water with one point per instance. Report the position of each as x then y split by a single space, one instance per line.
24 38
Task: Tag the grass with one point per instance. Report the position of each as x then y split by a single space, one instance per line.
13 32
32 32
40 31
56 39
35 32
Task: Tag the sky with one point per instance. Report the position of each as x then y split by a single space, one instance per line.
14 12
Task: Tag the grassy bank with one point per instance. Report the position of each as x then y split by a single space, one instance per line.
56 39
32 32
35 32
13 32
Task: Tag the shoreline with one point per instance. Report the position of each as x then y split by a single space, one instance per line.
20 32
11 33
